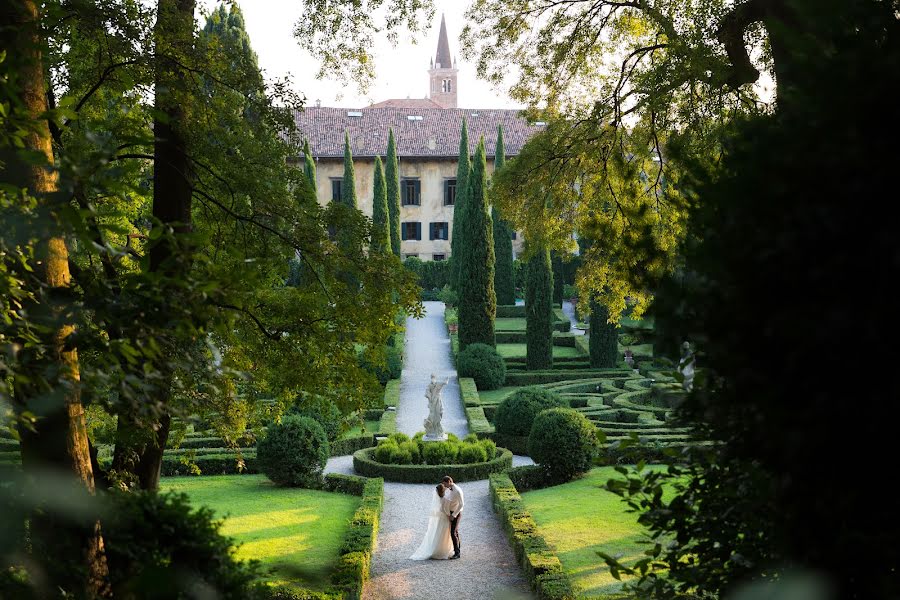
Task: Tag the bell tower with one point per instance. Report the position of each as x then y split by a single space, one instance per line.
443 72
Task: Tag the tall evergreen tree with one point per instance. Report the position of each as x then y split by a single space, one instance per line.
381 233
504 275
478 303
348 185
559 277
392 188
603 342
309 166
458 242
539 311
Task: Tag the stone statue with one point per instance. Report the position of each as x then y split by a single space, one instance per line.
686 366
433 429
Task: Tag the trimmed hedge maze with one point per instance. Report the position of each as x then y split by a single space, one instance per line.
621 403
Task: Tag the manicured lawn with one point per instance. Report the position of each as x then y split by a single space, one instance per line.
638 349
513 350
371 427
580 518
496 396
509 324
295 532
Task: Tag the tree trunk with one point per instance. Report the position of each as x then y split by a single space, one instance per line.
141 435
68 550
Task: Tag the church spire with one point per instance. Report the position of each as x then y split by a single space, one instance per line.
442 59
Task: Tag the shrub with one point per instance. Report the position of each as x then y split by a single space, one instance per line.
391 368
384 451
472 453
448 296
323 411
159 546
539 312
365 464
482 363
515 414
440 453
294 452
563 441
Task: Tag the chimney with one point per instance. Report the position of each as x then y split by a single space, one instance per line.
318 103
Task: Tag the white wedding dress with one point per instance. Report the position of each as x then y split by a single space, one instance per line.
437 543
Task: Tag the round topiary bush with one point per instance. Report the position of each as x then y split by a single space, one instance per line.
323 411
294 452
482 363
515 414
563 441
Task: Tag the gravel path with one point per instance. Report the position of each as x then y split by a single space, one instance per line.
488 568
569 310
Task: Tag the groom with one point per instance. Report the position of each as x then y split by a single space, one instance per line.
455 504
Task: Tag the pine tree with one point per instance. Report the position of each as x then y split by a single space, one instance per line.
539 312
478 303
309 166
603 342
348 185
392 187
381 233
504 276
458 241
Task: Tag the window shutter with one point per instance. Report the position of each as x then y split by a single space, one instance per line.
418 191
403 196
418 231
403 232
431 231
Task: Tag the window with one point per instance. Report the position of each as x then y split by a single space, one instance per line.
446 86
336 190
410 192
438 257
411 230
439 231
513 235
449 192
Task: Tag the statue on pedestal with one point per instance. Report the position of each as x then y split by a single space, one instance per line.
433 429
686 366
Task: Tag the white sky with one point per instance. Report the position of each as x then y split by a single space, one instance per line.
400 72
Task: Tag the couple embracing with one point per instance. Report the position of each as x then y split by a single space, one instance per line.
442 536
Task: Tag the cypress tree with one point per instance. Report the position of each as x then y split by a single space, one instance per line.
559 270
477 303
348 185
603 341
392 188
458 242
309 166
381 233
539 312
504 276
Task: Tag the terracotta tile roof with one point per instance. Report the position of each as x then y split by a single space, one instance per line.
435 135
406 103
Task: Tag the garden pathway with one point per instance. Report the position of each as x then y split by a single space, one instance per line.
488 568
569 310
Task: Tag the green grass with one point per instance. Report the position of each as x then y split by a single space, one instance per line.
514 350
509 324
371 427
639 324
295 532
638 349
496 396
580 518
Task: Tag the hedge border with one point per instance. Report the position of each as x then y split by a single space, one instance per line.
355 559
366 465
468 392
539 562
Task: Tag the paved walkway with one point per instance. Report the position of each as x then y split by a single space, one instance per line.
488 568
569 310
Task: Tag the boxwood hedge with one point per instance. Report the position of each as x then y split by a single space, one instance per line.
365 464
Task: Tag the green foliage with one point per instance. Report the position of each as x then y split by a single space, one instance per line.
381 232
432 274
564 442
348 184
482 363
365 463
392 191
158 546
541 565
603 344
516 413
451 299
309 167
477 301
322 411
458 237
386 364
504 275
294 452
398 449
539 311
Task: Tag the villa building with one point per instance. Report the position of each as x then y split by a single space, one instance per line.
427 132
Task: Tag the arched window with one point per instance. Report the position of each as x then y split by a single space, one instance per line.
445 86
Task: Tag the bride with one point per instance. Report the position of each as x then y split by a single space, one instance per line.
437 543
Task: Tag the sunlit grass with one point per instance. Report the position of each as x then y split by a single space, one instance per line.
294 532
371 427
509 324
580 518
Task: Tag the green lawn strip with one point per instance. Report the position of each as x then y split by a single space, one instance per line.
514 350
494 397
509 324
371 427
595 521
638 349
295 532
